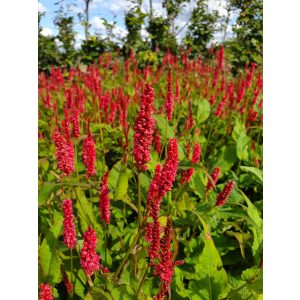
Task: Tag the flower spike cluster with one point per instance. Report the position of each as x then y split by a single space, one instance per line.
69 227
143 129
89 260
45 292
104 202
224 195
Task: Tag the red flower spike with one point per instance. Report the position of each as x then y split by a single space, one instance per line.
162 293
186 175
169 103
152 198
89 155
69 227
223 196
190 120
165 269
64 153
220 57
149 232
67 282
196 154
143 129
214 176
169 170
75 123
155 239
89 260
46 292
104 202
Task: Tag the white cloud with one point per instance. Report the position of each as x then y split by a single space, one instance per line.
78 40
120 31
41 7
58 42
98 24
115 6
47 31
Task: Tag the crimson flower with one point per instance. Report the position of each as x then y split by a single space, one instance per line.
214 176
69 227
89 260
64 153
143 129
169 170
169 103
89 155
45 292
223 196
165 269
104 202
196 154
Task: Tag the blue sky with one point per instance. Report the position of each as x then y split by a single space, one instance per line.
114 10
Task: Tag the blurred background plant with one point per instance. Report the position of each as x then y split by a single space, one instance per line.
238 28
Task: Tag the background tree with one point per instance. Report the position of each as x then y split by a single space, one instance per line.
86 22
133 21
202 27
158 29
66 37
48 54
247 46
97 44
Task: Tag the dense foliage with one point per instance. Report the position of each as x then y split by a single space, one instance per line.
150 180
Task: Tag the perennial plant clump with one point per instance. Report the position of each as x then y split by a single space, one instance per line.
150 179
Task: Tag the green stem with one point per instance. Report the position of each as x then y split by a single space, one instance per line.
101 133
72 281
76 161
207 141
142 281
137 237
166 135
140 217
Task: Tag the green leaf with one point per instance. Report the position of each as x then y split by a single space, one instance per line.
118 180
203 110
212 281
238 129
56 227
198 184
242 146
80 282
163 124
241 238
256 172
49 260
44 192
256 226
226 158
254 277
99 293
85 211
